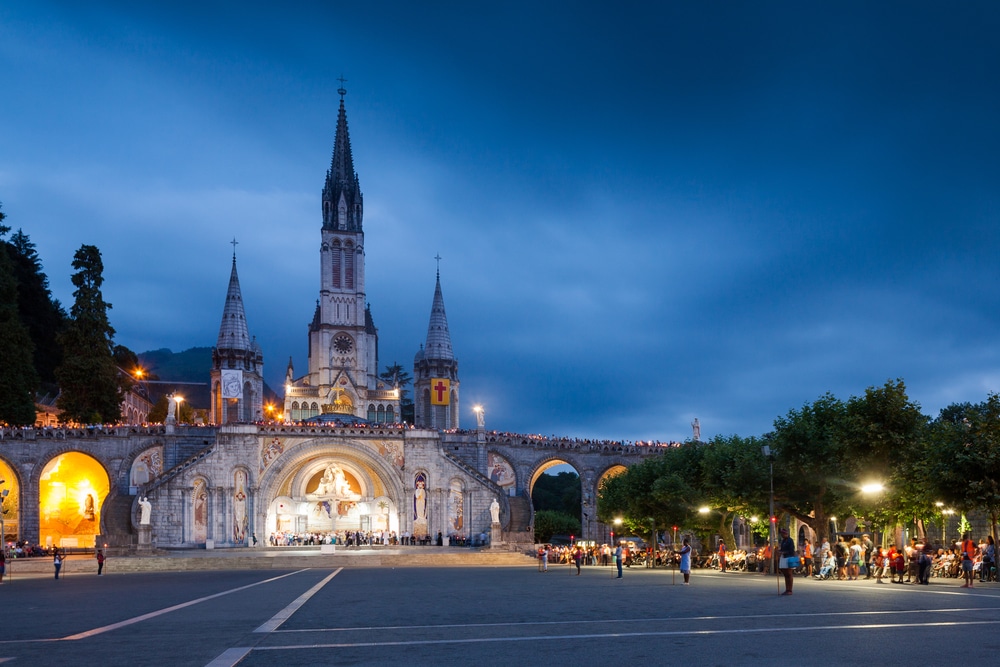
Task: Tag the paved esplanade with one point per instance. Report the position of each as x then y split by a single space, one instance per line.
486 615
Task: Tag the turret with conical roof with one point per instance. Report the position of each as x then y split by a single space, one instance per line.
435 371
233 333
237 363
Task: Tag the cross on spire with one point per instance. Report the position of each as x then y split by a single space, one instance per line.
342 90
437 257
235 243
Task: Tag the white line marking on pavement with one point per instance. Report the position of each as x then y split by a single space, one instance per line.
608 621
275 621
230 657
612 635
154 614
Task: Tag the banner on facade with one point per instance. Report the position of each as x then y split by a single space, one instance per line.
232 384
440 391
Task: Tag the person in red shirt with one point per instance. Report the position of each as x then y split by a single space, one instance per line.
968 559
722 555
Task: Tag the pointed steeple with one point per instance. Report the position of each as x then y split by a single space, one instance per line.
233 333
438 344
343 205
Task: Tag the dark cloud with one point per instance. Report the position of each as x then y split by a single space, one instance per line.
646 213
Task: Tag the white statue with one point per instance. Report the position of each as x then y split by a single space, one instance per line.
145 509
171 409
495 511
696 429
334 484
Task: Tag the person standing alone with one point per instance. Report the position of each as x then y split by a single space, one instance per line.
686 561
57 559
100 562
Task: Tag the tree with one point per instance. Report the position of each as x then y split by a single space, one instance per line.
18 380
963 465
90 384
560 493
397 376
550 522
813 472
43 316
734 480
666 490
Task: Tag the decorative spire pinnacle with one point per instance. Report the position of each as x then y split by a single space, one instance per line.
438 337
233 333
343 205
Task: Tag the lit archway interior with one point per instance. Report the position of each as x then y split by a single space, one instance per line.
70 493
11 503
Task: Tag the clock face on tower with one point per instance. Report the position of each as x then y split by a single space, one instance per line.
343 343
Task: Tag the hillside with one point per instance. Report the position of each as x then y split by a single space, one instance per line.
185 372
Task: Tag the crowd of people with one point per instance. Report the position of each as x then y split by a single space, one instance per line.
564 442
915 563
358 538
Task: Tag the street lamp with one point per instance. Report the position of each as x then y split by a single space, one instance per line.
178 400
480 416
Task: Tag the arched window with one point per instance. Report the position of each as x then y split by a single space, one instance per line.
371 412
349 265
390 415
381 414
335 253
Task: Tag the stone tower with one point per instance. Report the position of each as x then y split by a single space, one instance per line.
435 372
237 376
343 342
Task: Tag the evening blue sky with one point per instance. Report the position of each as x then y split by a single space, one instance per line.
647 212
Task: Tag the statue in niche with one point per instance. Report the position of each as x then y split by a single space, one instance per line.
88 507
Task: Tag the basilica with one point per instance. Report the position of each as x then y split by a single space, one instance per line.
339 458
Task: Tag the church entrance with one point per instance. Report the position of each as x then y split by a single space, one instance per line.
328 497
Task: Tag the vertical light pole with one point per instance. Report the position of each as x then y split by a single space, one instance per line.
178 400
769 455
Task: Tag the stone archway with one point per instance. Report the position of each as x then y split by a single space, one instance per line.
10 503
72 488
560 494
322 487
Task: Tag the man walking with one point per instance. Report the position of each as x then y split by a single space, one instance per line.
618 560
100 562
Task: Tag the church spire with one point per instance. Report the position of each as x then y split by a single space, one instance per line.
438 344
233 333
343 205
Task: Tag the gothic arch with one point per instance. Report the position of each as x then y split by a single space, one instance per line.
302 452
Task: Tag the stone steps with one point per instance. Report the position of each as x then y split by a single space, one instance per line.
270 560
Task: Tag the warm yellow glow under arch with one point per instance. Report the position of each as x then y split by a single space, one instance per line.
11 504
70 493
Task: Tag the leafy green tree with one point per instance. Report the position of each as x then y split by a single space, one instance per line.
18 380
550 522
734 480
813 468
963 465
91 386
396 376
666 490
